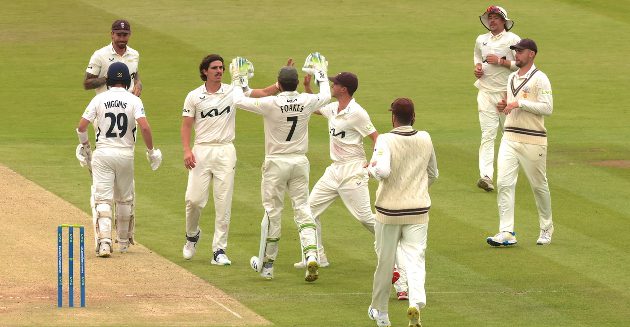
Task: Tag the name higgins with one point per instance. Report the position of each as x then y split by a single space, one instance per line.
115 103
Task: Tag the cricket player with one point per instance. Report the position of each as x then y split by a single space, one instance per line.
524 144
405 165
117 51
117 114
494 61
286 167
209 110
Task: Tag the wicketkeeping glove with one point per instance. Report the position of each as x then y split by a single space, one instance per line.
155 158
241 70
84 155
315 62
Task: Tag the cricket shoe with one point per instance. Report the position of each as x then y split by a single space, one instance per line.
402 295
191 246
485 183
123 246
413 314
502 239
104 250
382 319
323 263
267 271
311 269
545 236
220 258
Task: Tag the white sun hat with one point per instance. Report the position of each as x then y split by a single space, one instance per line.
496 10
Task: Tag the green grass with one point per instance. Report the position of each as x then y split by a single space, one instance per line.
402 48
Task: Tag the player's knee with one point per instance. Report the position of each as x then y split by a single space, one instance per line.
196 203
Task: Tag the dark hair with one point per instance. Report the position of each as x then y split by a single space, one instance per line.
288 85
403 110
205 63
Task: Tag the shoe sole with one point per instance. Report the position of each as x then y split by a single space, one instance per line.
497 244
541 243
414 317
220 264
485 186
311 272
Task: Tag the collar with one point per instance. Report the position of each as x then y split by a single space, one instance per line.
221 90
498 36
405 128
113 51
289 93
348 109
528 74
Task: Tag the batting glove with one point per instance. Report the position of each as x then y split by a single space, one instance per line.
84 155
155 158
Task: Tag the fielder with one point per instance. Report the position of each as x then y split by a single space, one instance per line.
405 165
115 113
117 51
286 167
494 61
209 110
524 144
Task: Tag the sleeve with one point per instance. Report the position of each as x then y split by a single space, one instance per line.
364 125
477 59
515 39
379 166
254 105
138 110
432 170
320 99
543 104
327 110
94 66
189 106
90 111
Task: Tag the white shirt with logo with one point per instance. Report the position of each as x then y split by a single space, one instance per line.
347 128
114 115
214 113
494 77
286 118
105 56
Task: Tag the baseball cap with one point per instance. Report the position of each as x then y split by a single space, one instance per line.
288 75
525 44
496 10
347 80
121 25
402 107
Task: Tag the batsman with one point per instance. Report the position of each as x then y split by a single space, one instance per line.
116 114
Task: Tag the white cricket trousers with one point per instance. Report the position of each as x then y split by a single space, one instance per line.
490 120
349 181
413 243
216 163
282 173
533 159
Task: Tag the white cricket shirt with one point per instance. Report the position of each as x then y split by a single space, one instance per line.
105 56
494 77
347 128
114 113
214 113
286 117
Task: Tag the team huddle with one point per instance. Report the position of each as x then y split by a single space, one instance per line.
403 161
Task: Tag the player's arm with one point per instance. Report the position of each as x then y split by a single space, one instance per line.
92 81
270 90
137 85
83 151
379 166
186 132
432 170
373 137
145 129
477 60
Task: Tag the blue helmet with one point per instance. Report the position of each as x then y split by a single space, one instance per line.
118 73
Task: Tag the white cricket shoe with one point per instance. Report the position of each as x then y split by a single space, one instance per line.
220 258
123 246
311 269
545 236
104 250
382 319
502 239
485 183
323 263
413 314
191 246
267 271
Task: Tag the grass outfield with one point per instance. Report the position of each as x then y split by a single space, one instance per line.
401 48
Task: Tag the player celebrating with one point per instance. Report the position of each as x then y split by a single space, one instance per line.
115 114
286 167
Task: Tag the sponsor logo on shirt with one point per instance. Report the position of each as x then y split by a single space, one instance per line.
215 112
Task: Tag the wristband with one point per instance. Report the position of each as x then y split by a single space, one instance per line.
83 136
